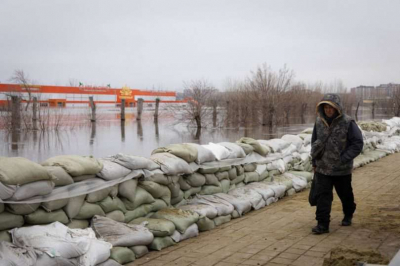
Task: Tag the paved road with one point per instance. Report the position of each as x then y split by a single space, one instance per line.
280 234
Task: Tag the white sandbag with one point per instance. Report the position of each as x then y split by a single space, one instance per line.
204 210
261 168
6 191
235 150
271 200
111 170
289 150
241 205
223 207
247 194
307 140
121 234
293 139
54 239
278 189
219 151
38 188
191 231
277 145
135 162
45 260
99 251
109 262
299 183
181 218
277 165
203 154
14 255
263 189
170 164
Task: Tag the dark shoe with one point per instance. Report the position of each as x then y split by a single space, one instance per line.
320 229
347 220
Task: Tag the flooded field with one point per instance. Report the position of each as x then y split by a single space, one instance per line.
108 136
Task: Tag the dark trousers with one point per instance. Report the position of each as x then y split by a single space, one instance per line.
344 190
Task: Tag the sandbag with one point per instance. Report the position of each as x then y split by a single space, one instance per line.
13 255
138 212
174 186
45 260
193 191
177 199
74 206
277 145
40 216
246 147
208 170
6 191
116 215
222 175
9 220
135 162
183 184
88 210
111 170
219 151
263 189
55 239
109 205
80 178
139 251
5 236
241 205
260 149
279 189
235 150
122 255
203 154
211 179
157 176
306 175
184 151
76 165
109 262
239 170
19 171
223 207
251 177
98 195
22 209
232 173
222 219
202 209
293 139
249 167
248 194
238 179
78 224
54 204
182 219
141 197
99 251
59 176
157 191
29 190
170 164
121 234
127 189
192 231
158 227
114 191
210 190
160 243
225 185
158 204
205 224
281 179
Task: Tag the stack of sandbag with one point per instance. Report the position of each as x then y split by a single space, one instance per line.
251 174
125 238
191 184
372 126
216 180
56 244
21 179
256 146
183 221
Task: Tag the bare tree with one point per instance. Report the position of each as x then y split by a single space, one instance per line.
22 79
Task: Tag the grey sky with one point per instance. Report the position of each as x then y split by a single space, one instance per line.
162 43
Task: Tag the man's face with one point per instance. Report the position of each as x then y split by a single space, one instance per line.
329 110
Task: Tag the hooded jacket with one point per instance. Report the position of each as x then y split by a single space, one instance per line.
344 143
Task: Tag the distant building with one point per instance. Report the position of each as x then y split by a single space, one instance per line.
381 92
63 96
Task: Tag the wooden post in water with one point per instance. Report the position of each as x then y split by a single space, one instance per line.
122 109
215 116
93 107
156 111
228 114
139 109
15 112
34 113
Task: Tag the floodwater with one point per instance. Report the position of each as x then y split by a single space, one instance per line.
109 136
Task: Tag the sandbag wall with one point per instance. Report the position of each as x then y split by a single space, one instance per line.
181 189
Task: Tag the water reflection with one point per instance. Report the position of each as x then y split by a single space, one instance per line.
107 135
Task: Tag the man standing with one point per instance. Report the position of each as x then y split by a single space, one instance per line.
336 141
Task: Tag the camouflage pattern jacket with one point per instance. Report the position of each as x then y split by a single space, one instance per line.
344 143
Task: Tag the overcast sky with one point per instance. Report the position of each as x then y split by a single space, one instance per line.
161 43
